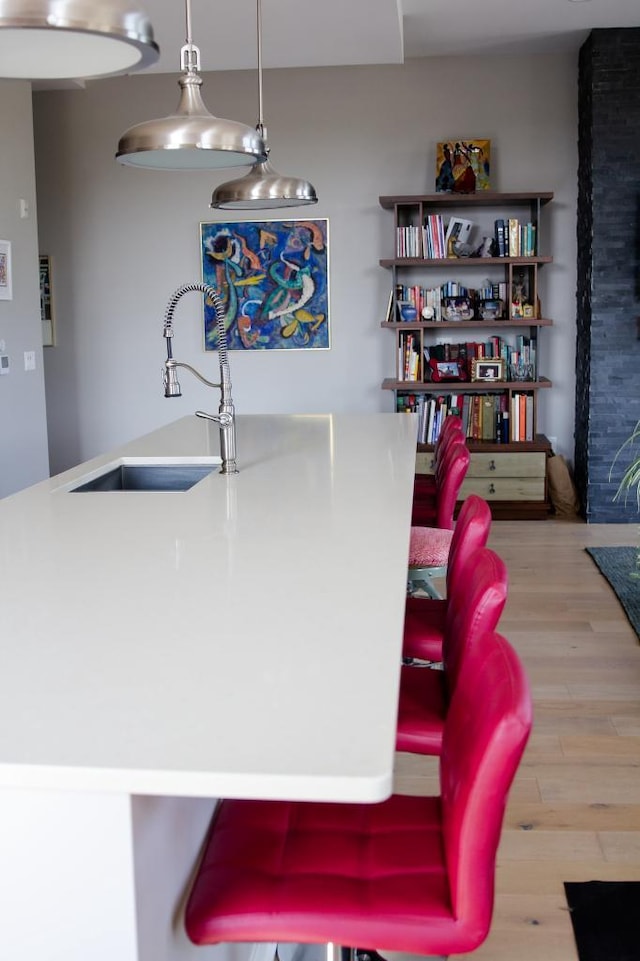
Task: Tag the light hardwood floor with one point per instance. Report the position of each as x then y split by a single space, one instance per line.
574 810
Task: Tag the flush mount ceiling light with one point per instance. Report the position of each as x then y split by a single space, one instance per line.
73 39
192 138
263 188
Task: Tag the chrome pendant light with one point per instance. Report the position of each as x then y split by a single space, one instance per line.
263 188
192 138
73 39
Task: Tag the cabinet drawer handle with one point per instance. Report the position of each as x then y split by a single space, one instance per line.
492 465
492 488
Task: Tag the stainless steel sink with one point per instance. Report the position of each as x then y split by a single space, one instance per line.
147 477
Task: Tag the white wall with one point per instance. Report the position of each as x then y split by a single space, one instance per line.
23 435
122 240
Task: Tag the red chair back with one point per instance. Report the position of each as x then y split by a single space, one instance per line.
470 533
450 430
474 609
450 473
487 728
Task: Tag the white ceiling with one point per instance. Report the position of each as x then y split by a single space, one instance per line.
342 32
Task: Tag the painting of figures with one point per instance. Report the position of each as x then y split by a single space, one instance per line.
272 278
463 166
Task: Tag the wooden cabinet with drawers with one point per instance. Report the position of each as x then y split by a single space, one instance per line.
513 482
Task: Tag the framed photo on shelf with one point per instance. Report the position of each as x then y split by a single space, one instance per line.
272 278
490 369
6 290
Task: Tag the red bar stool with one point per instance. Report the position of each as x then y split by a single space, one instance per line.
412 874
449 475
425 485
426 694
434 541
425 616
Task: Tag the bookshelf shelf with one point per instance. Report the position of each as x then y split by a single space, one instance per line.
424 275
465 387
452 325
463 262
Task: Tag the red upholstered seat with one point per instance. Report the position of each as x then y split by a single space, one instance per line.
425 694
425 617
429 547
412 874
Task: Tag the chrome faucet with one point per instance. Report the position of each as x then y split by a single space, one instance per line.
226 413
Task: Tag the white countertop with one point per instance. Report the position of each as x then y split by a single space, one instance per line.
239 639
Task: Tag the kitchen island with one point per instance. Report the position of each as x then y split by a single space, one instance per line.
163 649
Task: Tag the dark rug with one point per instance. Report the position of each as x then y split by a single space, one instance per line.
606 919
618 564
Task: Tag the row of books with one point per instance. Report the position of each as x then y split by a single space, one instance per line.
513 239
409 357
431 240
422 241
494 418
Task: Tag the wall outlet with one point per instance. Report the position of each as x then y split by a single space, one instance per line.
4 364
29 360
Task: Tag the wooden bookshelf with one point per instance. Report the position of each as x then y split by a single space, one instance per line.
517 466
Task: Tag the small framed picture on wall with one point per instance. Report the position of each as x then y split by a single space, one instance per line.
6 291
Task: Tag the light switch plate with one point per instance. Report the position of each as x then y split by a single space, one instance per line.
4 363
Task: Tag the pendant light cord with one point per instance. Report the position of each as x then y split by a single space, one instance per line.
260 125
189 54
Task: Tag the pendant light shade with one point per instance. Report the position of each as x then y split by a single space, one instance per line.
191 138
73 39
263 188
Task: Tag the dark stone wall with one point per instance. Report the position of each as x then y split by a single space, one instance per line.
608 294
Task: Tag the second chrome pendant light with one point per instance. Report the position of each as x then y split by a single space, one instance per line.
263 188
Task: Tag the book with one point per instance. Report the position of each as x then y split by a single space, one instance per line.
514 238
488 417
522 416
529 420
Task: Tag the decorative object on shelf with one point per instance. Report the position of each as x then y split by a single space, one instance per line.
408 311
457 308
6 287
486 248
520 295
263 188
460 249
74 39
457 236
521 372
491 309
445 370
487 370
463 166
191 138
46 306
273 280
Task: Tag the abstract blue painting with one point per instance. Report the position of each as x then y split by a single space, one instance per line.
273 281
